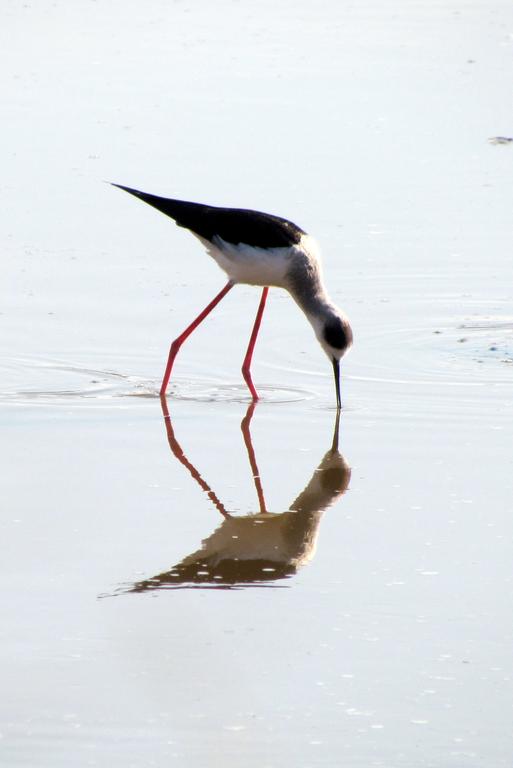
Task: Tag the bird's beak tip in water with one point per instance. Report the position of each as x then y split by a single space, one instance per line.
336 372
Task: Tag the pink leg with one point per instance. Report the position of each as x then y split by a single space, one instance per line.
246 365
177 343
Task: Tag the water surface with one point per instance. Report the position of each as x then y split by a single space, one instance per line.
203 584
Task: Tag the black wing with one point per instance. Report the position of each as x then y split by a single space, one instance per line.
233 225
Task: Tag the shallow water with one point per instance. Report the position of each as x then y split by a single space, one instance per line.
198 582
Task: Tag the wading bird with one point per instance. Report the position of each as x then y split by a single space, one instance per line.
259 249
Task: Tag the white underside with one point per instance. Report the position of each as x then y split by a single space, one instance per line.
259 266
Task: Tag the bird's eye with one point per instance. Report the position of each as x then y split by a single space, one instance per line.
334 334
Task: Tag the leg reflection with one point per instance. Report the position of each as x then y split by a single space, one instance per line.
176 449
245 427
262 547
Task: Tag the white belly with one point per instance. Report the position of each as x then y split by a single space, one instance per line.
254 266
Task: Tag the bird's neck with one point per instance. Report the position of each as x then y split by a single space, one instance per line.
306 286
314 303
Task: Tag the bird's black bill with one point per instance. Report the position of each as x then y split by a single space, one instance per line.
336 372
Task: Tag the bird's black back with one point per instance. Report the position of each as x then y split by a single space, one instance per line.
233 225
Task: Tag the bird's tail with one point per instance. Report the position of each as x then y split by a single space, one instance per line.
183 212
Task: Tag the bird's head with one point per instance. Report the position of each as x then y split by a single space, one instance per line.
335 336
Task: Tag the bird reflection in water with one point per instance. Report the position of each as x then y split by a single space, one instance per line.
262 547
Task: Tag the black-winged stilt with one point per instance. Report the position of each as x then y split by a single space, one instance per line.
259 249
